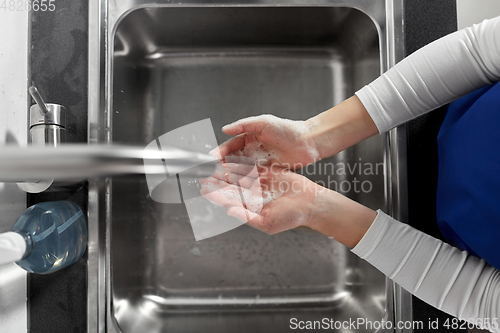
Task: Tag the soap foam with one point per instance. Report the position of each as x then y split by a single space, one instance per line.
255 150
284 130
249 198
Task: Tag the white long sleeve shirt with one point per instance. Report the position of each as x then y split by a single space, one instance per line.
443 276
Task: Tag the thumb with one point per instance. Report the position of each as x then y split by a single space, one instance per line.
250 124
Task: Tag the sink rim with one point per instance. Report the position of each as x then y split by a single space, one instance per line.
104 18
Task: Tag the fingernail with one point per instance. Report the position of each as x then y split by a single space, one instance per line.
215 153
228 125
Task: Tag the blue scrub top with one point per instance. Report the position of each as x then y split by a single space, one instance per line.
468 193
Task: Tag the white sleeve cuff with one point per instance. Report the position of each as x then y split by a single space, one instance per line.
372 237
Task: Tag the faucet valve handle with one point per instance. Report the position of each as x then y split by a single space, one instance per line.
38 99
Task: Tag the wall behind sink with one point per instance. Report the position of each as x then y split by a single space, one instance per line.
13 123
470 12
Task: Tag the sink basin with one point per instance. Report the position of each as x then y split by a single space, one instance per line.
169 66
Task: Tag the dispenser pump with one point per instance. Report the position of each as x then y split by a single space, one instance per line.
12 247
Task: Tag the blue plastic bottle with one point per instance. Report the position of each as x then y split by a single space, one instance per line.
54 235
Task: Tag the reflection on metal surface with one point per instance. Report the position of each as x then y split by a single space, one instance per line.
175 65
246 302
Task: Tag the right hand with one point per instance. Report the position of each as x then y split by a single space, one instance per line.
282 142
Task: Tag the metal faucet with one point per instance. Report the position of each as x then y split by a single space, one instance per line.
47 159
47 122
47 127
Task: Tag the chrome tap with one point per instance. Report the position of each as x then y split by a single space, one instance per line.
46 163
47 127
47 122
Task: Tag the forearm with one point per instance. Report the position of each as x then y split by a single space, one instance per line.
438 73
439 274
340 127
339 217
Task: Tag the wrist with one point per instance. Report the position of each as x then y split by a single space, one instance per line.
340 218
317 134
308 136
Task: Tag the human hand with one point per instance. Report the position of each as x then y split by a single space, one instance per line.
269 139
273 199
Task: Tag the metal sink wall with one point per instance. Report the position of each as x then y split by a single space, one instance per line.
169 66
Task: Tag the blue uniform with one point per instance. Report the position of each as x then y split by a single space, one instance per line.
468 194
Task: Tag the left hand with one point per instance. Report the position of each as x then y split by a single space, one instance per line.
273 199
270 199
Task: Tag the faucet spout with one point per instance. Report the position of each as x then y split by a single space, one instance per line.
82 161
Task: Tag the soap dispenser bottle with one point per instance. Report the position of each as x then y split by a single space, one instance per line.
46 238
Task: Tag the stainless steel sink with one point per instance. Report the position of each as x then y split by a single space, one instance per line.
163 65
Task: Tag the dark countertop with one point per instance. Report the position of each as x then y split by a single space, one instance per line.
58 65
425 21
57 302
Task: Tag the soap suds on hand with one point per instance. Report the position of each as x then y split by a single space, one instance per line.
255 150
284 130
